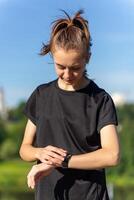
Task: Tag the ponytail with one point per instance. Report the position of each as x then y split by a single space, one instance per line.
69 33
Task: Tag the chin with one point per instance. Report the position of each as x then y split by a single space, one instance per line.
70 82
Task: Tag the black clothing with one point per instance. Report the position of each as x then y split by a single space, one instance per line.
71 120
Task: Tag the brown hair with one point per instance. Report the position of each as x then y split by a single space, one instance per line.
69 33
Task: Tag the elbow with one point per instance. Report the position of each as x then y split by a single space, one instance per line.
21 153
24 153
115 159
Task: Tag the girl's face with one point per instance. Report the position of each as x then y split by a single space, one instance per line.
69 66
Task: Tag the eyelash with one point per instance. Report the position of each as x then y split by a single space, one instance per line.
75 69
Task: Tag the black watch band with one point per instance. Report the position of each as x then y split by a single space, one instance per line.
66 160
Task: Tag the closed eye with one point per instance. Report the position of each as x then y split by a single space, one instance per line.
72 68
75 69
61 66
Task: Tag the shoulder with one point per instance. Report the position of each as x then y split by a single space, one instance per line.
99 94
45 87
42 89
97 91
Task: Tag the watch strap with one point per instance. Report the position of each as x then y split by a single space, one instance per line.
66 160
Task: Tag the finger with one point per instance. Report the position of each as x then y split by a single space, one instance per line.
47 158
55 155
29 181
56 162
57 150
37 172
31 176
32 181
46 161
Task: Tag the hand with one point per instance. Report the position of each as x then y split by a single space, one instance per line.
51 155
37 172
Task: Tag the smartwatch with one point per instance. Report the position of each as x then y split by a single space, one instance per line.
66 160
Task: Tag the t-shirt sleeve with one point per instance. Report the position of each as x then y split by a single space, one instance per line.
107 113
30 107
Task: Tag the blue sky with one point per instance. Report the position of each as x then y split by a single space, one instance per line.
24 25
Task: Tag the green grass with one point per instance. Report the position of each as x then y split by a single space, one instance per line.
13 175
121 181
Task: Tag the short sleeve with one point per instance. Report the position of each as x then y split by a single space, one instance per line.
107 113
30 107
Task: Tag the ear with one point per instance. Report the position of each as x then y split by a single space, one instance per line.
88 57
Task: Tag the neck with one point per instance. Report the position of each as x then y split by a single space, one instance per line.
80 84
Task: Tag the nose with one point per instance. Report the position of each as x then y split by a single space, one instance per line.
67 73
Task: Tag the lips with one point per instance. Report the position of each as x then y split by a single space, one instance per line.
68 81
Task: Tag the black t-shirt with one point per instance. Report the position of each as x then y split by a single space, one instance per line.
71 120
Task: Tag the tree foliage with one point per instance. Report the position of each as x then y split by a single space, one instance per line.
126 136
16 114
11 133
3 133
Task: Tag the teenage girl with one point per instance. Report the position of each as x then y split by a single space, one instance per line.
71 128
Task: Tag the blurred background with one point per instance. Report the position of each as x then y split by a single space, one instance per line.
24 25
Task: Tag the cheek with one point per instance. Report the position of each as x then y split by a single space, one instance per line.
80 73
58 72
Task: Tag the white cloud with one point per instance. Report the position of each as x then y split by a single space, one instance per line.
118 98
119 81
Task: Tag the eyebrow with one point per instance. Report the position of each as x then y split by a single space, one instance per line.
73 66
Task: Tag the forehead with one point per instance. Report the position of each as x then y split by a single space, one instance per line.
68 57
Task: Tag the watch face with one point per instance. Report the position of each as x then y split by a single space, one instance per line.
66 160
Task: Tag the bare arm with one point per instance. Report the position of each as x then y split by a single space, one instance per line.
27 151
49 155
37 172
107 156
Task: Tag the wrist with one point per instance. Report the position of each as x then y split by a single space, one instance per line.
65 163
37 153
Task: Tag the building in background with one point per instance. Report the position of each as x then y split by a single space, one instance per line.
3 109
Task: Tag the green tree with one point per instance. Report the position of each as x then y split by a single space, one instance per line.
8 149
3 132
126 135
16 114
11 132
